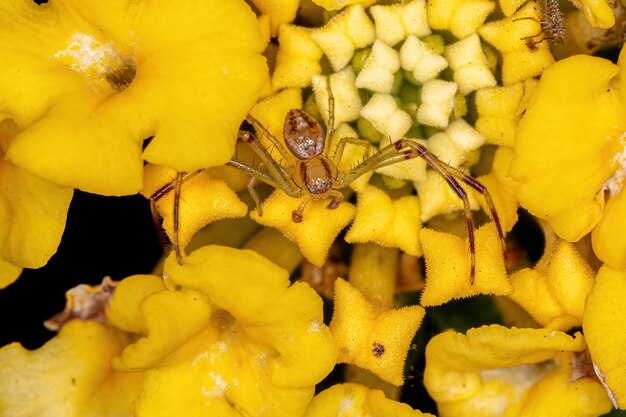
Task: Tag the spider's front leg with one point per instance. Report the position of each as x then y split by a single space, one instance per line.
405 149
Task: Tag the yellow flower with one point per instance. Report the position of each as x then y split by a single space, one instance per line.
69 376
569 154
93 82
32 213
354 400
373 338
228 334
496 371
603 323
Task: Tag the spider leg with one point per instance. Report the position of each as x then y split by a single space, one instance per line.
180 178
330 125
341 145
297 214
255 196
277 174
177 184
336 197
404 149
265 133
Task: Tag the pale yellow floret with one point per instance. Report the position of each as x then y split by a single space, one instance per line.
343 34
417 57
383 113
373 338
387 222
498 113
461 17
468 61
378 72
464 136
340 4
454 144
436 197
438 98
347 101
510 36
355 400
395 22
448 265
298 58
411 169
352 155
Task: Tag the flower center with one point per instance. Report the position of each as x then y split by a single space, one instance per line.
104 68
614 184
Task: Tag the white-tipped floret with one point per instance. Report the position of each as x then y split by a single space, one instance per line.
395 22
343 34
437 103
383 113
347 100
423 62
469 63
379 68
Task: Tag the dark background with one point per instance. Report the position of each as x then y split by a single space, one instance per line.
103 236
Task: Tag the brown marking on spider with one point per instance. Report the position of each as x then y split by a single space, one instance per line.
551 25
310 171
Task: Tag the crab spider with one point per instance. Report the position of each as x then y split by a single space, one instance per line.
313 172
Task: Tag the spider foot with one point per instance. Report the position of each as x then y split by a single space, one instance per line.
334 203
296 216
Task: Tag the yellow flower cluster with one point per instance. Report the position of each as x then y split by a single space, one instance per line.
150 96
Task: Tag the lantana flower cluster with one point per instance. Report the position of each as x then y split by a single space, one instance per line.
150 96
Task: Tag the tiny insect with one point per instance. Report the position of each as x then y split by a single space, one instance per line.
552 24
311 170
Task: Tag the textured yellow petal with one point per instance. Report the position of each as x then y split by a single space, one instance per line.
510 6
509 36
454 361
92 81
279 11
69 376
354 400
203 200
531 291
608 236
436 197
124 308
598 13
387 222
546 155
8 273
603 324
271 112
171 318
374 339
256 293
298 58
498 112
448 266
340 4
318 228
461 17
30 209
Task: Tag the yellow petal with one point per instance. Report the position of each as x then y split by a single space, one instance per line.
608 236
124 308
69 376
598 13
387 222
298 58
8 273
496 371
354 400
374 339
448 266
203 200
287 318
603 324
30 208
498 112
100 110
545 154
509 35
279 11
318 228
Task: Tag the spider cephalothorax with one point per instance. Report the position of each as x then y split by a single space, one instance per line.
308 169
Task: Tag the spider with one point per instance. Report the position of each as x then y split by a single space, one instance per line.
552 25
312 169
